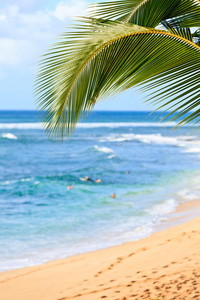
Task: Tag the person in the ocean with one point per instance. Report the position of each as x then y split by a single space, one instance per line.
113 195
127 172
70 187
87 178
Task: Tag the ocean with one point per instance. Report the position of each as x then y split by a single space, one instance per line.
150 168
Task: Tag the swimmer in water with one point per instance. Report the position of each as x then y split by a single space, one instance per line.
87 178
113 196
70 187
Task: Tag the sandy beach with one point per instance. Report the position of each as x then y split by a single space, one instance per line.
100 150
165 265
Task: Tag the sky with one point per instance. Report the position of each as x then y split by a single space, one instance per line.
27 28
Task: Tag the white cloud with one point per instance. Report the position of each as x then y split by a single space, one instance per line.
15 52
2 18
25 34
67 9
24 5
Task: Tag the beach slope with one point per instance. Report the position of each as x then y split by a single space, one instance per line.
165 266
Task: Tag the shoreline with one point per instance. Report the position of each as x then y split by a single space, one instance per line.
184 212
155 266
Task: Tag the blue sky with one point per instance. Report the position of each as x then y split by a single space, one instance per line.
27 28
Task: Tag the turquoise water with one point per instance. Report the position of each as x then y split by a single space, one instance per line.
40 219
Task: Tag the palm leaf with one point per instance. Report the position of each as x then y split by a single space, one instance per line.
103 58
116 10
149 13
183 32
186 14
196 37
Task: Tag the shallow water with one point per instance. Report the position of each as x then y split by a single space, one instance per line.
42 220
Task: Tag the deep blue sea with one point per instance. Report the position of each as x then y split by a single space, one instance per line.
41 220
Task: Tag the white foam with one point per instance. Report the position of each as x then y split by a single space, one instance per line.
89 125
25 179
5 183
163 209
111 156
145 138
103 149
192 150
20 126
188 195
126 124
9 136
188 142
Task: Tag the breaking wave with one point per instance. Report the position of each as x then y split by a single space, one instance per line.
181 141
90 125
103 149
9 136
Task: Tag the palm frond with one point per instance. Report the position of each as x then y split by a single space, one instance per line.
186 14
103 58
149 13
196 37
183 32
114 10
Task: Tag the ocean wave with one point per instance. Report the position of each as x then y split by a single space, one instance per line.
188 195
89 125
162 209
111 156
20 126
126 124
9 136
5 182
145 138
103 149
25 179
190 143
192 150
